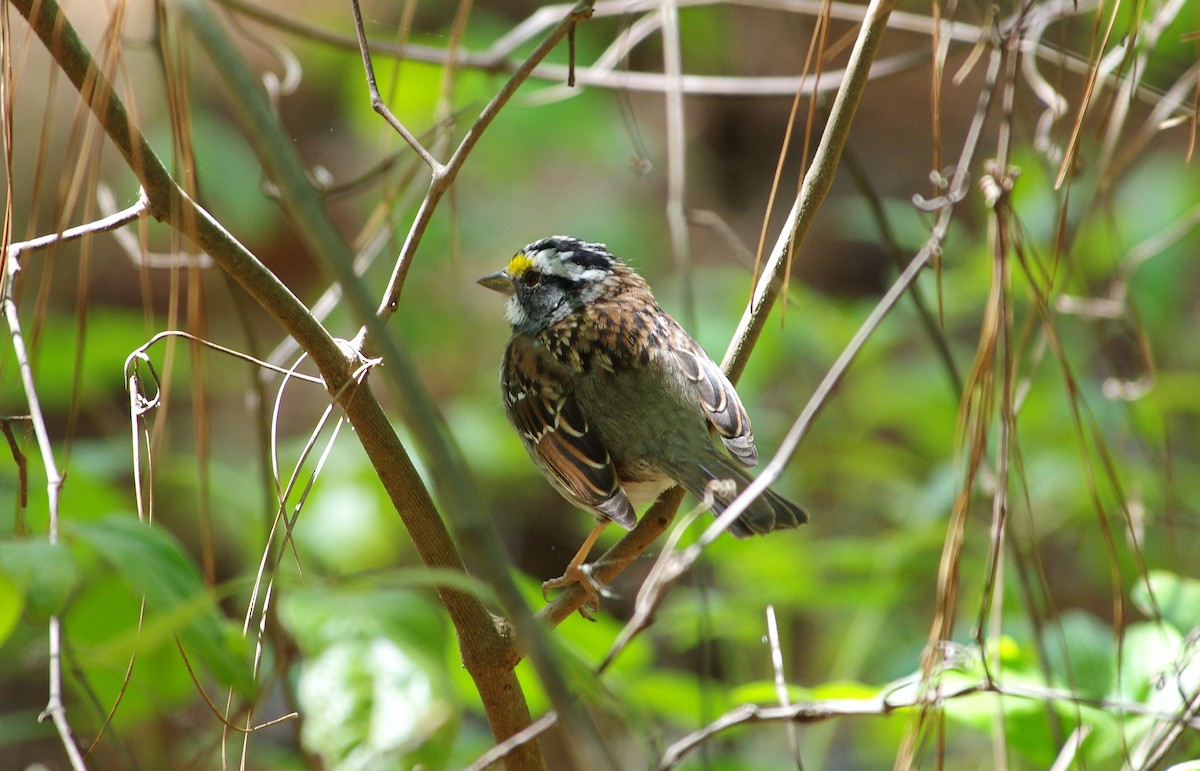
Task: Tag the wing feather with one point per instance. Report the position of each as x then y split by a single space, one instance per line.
719 400
540 403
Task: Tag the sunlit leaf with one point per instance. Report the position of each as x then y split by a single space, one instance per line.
1176 597
44 573
369 703
12 601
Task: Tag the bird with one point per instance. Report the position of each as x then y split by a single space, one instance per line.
614 401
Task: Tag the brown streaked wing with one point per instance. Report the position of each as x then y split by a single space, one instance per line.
718 399
540 402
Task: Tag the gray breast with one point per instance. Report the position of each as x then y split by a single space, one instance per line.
646 416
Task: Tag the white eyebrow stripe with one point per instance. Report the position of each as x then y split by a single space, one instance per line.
550 262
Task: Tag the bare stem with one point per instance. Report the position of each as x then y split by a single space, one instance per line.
443 176
377 103
487 645
55 708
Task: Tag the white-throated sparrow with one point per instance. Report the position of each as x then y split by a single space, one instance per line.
613 400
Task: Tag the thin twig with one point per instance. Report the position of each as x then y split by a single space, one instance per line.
887 702
505 748
891 245
377 102
603 73
781 689
1146 38
55 707
134 250
814 188
443 177
676 156
662 575
136 210
20 461
799 712
213 707
945 205
139 354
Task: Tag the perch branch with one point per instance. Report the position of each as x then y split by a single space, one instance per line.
488 650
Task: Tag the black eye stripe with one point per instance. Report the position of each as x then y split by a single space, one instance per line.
534 278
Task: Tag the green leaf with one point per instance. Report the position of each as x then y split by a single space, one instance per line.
1080 652
12 601
321 616
372 702
672 695
156 566
1150 659
43 572
763 692
102 627
1177 597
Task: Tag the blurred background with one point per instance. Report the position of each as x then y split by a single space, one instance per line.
1081 405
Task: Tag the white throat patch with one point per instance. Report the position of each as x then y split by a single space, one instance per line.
514 312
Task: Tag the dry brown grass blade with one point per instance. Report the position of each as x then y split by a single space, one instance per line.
1066 169
817 55
815 42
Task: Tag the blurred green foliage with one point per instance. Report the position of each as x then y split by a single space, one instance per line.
1098 597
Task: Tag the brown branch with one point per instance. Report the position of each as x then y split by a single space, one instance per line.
652 524
477 535
487 645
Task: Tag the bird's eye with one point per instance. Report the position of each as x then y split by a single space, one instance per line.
532 278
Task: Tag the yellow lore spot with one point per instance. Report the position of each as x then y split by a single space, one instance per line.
520 263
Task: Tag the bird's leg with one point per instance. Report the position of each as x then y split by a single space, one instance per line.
578 573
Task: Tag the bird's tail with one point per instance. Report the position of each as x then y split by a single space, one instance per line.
770 511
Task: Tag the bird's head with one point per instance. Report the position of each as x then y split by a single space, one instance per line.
552 278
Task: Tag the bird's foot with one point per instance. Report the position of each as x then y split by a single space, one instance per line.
593 590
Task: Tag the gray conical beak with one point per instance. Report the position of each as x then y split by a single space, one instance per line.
499 281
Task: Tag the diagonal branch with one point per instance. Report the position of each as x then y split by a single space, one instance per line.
487 646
